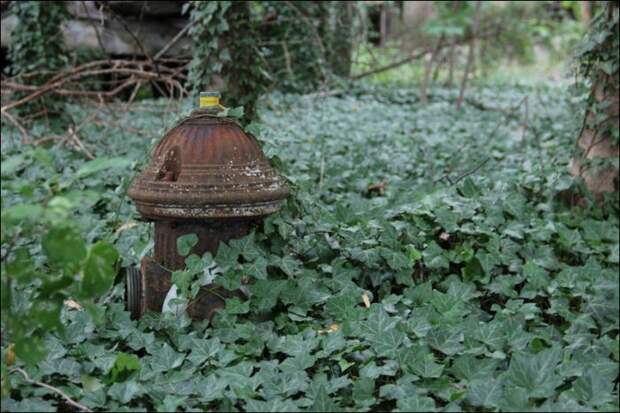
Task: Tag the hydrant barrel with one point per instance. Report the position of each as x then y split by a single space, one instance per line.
209 177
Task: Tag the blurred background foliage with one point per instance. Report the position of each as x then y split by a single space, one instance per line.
292 45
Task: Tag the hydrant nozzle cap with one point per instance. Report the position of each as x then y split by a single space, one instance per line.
209 99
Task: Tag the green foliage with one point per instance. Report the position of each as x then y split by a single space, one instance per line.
210 24
36 48
253 46
483 294
46 257
36 42
225 38
599 52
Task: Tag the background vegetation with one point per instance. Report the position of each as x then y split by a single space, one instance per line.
436 252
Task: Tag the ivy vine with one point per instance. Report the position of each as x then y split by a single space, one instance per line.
250 47
225 46
37 49
598 63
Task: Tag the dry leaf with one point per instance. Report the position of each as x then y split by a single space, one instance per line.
126 225
366 300
332 329
10 355
72 304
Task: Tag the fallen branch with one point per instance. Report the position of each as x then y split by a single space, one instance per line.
137 72
463 175
64 395
470 172
420 54
25 136
393 65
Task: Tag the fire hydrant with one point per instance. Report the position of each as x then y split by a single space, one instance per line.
207 177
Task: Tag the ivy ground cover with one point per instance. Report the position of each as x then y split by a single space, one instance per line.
425 261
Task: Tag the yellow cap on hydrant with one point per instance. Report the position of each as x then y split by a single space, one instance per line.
209 99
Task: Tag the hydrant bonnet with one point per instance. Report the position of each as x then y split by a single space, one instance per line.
207 167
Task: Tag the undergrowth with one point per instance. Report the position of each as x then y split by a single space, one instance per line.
425 261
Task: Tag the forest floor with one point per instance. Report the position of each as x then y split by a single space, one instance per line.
425 261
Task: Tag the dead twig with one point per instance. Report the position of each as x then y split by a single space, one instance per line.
26 139
454 181
72 135
61 393
287 60
393 65
99 41
470 172
137 72
379 188
173 41
417 55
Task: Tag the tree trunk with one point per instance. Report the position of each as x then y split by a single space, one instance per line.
342 44
470 55
586 12
597 141
427 70
451 64
383 25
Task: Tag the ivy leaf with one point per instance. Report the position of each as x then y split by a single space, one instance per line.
415 404
203 350
101 164
446 339
238 376
257 268
485 392
185 243
425 366
165 358
273 405
344 306
322 401
471 368
246 246
64 247
210 388
381 332
236 306
226 257
30 349
99 269
289 265
535 372
124 367
293 345
125 392
395 259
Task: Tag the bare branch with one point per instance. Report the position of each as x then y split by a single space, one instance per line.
173 41
138 71
26 139
64 395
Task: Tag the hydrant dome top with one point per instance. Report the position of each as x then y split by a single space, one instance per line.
207 167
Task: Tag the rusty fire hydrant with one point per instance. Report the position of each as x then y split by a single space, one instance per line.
208 177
